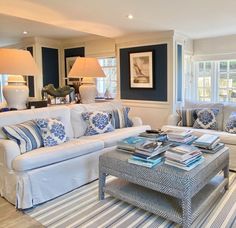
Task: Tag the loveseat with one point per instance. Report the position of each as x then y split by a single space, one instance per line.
45 173
222 117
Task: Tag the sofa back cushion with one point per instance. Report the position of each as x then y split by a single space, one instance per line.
17 117
78 124
228 109
209 105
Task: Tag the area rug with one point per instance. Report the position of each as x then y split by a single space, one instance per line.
81 208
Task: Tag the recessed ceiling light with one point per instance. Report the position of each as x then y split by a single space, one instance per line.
25 32
130 16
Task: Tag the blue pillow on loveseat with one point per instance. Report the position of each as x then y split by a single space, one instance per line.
98 122
230 125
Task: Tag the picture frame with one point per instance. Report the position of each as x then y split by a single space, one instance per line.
69 63
141 69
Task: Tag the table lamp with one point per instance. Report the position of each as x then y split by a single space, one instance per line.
88 69
16 63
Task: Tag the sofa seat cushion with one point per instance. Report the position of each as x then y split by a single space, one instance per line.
225 137
48 155
111 138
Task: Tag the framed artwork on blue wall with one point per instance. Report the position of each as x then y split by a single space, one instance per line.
141 69
69 63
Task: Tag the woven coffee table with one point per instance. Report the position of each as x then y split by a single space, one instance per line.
172 193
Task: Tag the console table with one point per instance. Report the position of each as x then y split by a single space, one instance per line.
172 193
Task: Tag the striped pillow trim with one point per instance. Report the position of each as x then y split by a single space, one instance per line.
27 135
120 118
187 117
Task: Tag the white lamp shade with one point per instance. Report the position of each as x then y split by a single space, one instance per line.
17 62
86 67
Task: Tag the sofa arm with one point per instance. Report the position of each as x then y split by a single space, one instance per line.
8 151
137 121
173 119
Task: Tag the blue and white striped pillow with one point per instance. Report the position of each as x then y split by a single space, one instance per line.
27 135
120 118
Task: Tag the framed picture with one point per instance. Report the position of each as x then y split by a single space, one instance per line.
69 63
141 70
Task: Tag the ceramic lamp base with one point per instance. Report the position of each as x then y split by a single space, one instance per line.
16 92
88 93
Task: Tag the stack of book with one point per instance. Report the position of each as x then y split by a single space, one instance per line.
185 157
149 153
154 134
209 143
178 137
129 144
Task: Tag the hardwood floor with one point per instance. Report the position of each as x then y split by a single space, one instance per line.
12 218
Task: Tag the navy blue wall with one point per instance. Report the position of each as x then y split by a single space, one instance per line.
50 66
159 92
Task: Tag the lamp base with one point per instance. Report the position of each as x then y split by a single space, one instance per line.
16 93
88 93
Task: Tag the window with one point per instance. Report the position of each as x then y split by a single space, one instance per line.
213 81
3 81
227 81
204 81
108 84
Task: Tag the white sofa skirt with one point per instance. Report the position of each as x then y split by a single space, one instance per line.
27 189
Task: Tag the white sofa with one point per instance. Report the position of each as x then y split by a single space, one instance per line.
224 112
42 174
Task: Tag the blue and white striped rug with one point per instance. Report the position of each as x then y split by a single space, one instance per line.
81 208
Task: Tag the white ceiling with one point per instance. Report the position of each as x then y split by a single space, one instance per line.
11 30
74 18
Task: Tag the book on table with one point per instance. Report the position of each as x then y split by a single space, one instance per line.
178 137
129 144
182 152
184 157
149 153
215 149
146 162
178 134
186 167
179 141
161 137
207 141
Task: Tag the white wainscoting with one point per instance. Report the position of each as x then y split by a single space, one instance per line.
152 113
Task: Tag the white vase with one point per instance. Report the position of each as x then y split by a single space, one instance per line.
16 92
88 93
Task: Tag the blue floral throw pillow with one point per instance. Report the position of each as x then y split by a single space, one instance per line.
206 119
230 125
98 122
53 131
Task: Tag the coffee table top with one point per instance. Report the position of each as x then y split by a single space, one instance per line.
167 177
